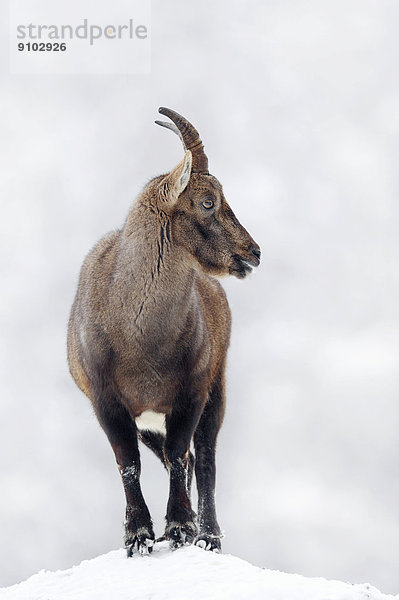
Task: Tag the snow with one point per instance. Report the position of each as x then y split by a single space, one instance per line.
296 102
189 573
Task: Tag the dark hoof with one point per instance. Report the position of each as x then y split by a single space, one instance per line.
209 542
180 534
140 542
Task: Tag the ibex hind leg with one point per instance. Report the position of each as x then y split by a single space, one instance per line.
156 442
122 433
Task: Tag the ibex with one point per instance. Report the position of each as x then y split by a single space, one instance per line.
148 336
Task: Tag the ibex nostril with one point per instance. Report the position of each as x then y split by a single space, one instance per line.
256 251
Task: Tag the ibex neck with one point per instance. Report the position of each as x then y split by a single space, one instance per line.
157 280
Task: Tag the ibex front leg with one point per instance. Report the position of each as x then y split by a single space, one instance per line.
205 468
122 433
180 426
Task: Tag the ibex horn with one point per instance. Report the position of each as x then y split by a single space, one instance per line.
189 136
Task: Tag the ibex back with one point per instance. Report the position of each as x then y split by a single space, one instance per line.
148 335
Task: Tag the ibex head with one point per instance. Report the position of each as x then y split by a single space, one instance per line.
202 221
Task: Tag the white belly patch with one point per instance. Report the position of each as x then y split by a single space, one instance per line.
151 421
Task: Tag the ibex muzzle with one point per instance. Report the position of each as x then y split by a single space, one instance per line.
148 336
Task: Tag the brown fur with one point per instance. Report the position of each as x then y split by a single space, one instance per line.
149 328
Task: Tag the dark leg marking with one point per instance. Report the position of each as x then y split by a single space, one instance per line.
156 441
122 433
205 468
180 425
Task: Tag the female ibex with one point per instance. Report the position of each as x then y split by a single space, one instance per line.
148 336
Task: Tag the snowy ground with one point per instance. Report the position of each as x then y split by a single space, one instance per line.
189 573
297 104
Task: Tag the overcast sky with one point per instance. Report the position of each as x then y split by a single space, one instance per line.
297 104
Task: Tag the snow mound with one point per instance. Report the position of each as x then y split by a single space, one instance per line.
186 574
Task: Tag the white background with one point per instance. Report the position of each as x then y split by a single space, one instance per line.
297 103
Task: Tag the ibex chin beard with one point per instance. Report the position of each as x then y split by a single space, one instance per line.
242 267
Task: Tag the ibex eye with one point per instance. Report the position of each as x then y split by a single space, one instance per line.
208 203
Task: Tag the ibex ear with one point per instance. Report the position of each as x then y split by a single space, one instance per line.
176 182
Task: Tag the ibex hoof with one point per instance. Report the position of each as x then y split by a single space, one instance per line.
209 542
140 542
180 534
